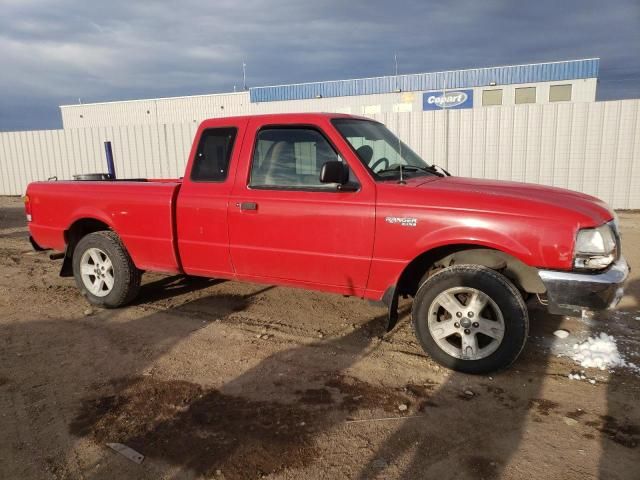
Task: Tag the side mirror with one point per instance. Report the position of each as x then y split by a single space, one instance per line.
334 172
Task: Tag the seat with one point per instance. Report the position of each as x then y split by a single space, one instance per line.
280 168
365 152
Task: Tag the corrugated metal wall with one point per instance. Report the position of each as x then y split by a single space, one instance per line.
157 151
589 147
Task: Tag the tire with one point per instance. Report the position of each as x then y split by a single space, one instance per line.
110 278
458 332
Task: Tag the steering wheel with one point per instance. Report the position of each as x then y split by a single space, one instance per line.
378 162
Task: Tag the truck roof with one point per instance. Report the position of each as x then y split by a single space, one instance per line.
284 117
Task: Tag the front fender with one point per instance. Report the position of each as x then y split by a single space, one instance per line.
464 235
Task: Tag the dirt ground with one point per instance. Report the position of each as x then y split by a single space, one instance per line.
212 379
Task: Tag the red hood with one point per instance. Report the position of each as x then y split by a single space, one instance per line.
515 198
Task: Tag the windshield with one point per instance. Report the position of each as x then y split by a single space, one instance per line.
381 151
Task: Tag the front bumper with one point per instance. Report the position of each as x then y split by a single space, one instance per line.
571 292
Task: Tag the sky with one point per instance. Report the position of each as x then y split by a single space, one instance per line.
57 52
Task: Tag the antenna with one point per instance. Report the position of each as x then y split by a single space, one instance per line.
244 76
446 118
401 179
400 166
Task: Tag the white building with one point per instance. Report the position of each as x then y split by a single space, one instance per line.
567 81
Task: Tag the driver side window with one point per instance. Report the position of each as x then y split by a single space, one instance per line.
290 158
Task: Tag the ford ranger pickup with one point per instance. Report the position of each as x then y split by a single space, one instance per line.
337 203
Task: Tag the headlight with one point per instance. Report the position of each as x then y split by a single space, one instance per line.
595 248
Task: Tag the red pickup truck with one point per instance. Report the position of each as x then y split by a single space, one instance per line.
339 204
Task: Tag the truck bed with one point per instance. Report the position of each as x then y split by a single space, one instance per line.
142 212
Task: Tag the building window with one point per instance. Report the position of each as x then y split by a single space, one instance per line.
492 97
346 110
371 109
526 95
560 93
402 107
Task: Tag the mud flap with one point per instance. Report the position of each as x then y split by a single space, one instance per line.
390 299
67 265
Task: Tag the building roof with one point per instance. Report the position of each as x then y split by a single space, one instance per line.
474 77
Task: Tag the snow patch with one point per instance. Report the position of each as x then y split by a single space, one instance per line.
561 333
598 352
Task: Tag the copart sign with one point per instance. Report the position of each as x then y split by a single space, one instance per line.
448 99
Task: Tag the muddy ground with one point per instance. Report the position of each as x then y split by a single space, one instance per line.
228 380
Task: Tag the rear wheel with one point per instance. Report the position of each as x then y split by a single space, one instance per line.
104 271
471 319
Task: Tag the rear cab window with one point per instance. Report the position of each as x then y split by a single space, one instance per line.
211 163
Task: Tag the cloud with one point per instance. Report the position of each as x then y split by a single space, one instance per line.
54 52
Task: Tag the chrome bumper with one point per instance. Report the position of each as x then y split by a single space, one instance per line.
571 292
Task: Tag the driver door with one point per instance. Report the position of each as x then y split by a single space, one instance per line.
284 224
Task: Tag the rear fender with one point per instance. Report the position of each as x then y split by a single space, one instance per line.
80 227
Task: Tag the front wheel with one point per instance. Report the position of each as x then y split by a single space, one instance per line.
104 271
471 319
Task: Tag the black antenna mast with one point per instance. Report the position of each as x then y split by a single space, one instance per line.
401 180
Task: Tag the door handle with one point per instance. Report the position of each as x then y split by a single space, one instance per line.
247 206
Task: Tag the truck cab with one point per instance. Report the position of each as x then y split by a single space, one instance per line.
262 211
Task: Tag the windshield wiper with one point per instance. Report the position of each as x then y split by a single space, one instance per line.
438 167
411 168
